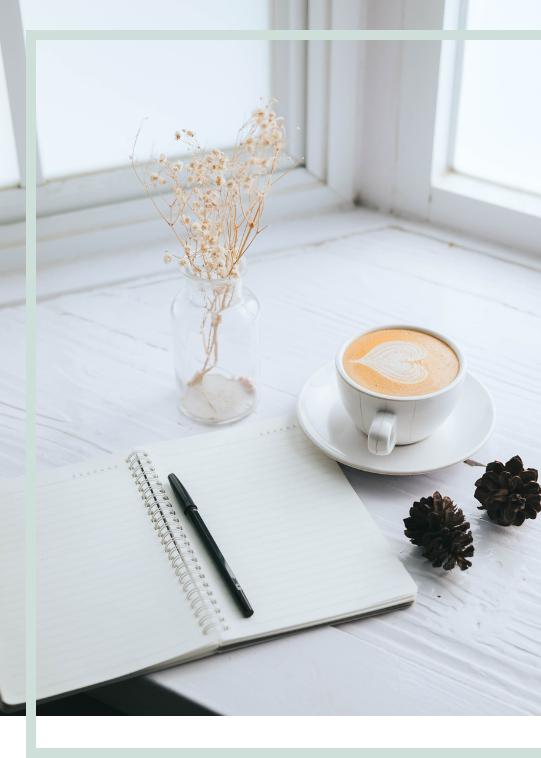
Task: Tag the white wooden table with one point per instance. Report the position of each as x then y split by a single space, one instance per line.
471 643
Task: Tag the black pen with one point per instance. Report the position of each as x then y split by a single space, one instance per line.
191 512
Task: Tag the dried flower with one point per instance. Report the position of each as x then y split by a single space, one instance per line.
168 258
225 221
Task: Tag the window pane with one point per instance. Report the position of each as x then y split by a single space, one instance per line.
145 14
499 117
9 166
93 95
503 14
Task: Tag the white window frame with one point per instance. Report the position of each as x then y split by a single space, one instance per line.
407 142
486 209
375 126
12 199
86 214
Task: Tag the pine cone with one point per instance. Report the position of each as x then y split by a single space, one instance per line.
509 493
436 524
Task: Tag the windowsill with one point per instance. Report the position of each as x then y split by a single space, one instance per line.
493 194
497 214
113 226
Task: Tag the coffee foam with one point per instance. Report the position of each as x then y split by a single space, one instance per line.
400 362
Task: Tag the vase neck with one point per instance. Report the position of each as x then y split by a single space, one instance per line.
216 294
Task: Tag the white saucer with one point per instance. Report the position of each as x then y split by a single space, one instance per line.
325 421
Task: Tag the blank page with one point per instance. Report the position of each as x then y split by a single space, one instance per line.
12 591
297 537
109 603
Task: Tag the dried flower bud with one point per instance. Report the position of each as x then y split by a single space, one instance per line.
190 134
167 258
182 262
177 135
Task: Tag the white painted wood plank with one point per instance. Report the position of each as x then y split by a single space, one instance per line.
106 382
12 393
321 672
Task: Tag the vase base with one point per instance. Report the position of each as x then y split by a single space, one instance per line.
218 399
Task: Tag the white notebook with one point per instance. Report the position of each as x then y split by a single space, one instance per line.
117 596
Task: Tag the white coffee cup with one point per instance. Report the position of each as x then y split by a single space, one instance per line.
388 420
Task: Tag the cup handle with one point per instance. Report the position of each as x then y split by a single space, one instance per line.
382 434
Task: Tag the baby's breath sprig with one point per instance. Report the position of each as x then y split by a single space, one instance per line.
214 202
218 199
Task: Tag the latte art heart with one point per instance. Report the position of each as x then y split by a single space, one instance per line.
397 361
400 362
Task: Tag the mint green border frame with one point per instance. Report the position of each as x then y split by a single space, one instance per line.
302 752
297 752
32 37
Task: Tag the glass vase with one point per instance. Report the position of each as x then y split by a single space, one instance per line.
215 325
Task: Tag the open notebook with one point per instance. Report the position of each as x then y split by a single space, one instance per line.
117 596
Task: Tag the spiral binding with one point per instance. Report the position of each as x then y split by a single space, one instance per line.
175 542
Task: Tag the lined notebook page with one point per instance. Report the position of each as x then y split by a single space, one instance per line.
12 591
108 601
299 540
